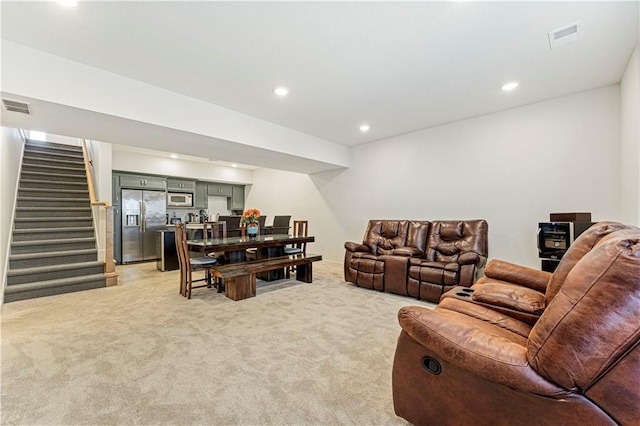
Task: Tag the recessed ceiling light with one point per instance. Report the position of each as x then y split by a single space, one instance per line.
234 165
174 155
509 86
281 91
364 128
68 3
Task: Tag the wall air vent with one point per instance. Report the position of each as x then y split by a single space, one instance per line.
565 35
16 106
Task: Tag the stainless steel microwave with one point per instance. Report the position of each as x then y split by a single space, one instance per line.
179 199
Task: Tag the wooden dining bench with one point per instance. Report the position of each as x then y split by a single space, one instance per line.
240 278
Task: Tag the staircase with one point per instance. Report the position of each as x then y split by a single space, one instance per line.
53 249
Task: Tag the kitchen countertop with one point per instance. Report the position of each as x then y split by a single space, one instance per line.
195 225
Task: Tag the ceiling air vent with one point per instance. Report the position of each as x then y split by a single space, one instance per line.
564 35
16 106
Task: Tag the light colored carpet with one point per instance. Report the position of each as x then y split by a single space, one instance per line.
139 353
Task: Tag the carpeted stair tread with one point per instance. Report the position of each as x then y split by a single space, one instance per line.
66 154
52 242
27 191
52 219
56 169
43 223
74 169
52 268
77 200
63 253
79 183
52 212
70 208
50 284
31 144
36 152
52 160
47 231
49 258
58 177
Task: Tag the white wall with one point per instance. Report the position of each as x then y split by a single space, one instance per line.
302 196
145 163
512 168
630 137
101 156
11 147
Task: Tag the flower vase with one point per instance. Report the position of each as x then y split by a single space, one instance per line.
252 230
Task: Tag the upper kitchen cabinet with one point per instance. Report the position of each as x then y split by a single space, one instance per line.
202 198
180 185
236 202
143 182
220 189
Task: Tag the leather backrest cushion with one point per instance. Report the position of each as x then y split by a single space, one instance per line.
581 246
418 231
451 231
593 320
385 235
448 239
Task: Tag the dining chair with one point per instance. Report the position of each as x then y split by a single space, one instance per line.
214 229
280 225
233 224
190 264
300 229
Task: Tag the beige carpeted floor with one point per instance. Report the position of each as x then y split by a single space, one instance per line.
139 353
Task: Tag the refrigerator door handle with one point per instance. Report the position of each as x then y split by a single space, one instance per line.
142 216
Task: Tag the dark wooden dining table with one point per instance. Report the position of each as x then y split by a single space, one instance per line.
235 248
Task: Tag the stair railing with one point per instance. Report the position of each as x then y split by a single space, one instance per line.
103 222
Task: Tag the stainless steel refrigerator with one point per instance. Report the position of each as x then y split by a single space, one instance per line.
143 215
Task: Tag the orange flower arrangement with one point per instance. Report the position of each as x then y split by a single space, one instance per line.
250 216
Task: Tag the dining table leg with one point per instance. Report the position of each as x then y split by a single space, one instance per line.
236 256
266 252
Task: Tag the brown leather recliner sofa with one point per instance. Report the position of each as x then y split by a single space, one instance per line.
422 259
521 292
579 363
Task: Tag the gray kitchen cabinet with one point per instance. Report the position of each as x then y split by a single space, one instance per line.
220 189
236 201
143 182
115 190
180 185
202 198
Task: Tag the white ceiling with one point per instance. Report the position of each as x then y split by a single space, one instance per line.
399 66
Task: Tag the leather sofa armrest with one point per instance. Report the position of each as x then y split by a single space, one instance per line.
407 251
451 302
517 274
485 350
354 247
472 258
518 298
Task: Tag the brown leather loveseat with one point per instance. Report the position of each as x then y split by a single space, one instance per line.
422 259
577 364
